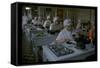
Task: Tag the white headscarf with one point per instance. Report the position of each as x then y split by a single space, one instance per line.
48 17
67 22
55 19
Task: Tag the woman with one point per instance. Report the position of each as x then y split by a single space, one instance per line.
65 35
56 26
47 23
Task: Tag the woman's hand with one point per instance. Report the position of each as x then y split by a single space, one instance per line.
57 42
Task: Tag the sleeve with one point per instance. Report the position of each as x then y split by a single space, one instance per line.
44 25
60 37
51 27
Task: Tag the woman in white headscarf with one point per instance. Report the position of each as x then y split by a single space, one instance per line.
66 21
40 21
47 23
56 26
65 35
35 21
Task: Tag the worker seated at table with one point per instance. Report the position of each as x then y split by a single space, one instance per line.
65 35
35 21
56 26
85 35
47 23
40 22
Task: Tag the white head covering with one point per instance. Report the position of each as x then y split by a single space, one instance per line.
55 19
48 17
67 22
78 24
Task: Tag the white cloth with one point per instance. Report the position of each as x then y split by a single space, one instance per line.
55 27
48 17
55 19
52 26
64 35
40 21
47 23
24 20
35 22
78 24
66 22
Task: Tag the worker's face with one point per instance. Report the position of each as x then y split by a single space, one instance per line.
69 27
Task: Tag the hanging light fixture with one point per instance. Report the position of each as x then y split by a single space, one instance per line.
27 8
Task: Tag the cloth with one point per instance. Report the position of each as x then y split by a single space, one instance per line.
64 35
54 27
55 18
47 23
24 21
34 22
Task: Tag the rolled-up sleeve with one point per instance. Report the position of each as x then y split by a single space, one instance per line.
60 37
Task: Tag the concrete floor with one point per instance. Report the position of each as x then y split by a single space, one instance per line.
27 54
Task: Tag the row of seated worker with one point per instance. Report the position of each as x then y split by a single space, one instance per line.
83 32
54 25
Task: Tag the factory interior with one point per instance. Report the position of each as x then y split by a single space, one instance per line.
51 34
